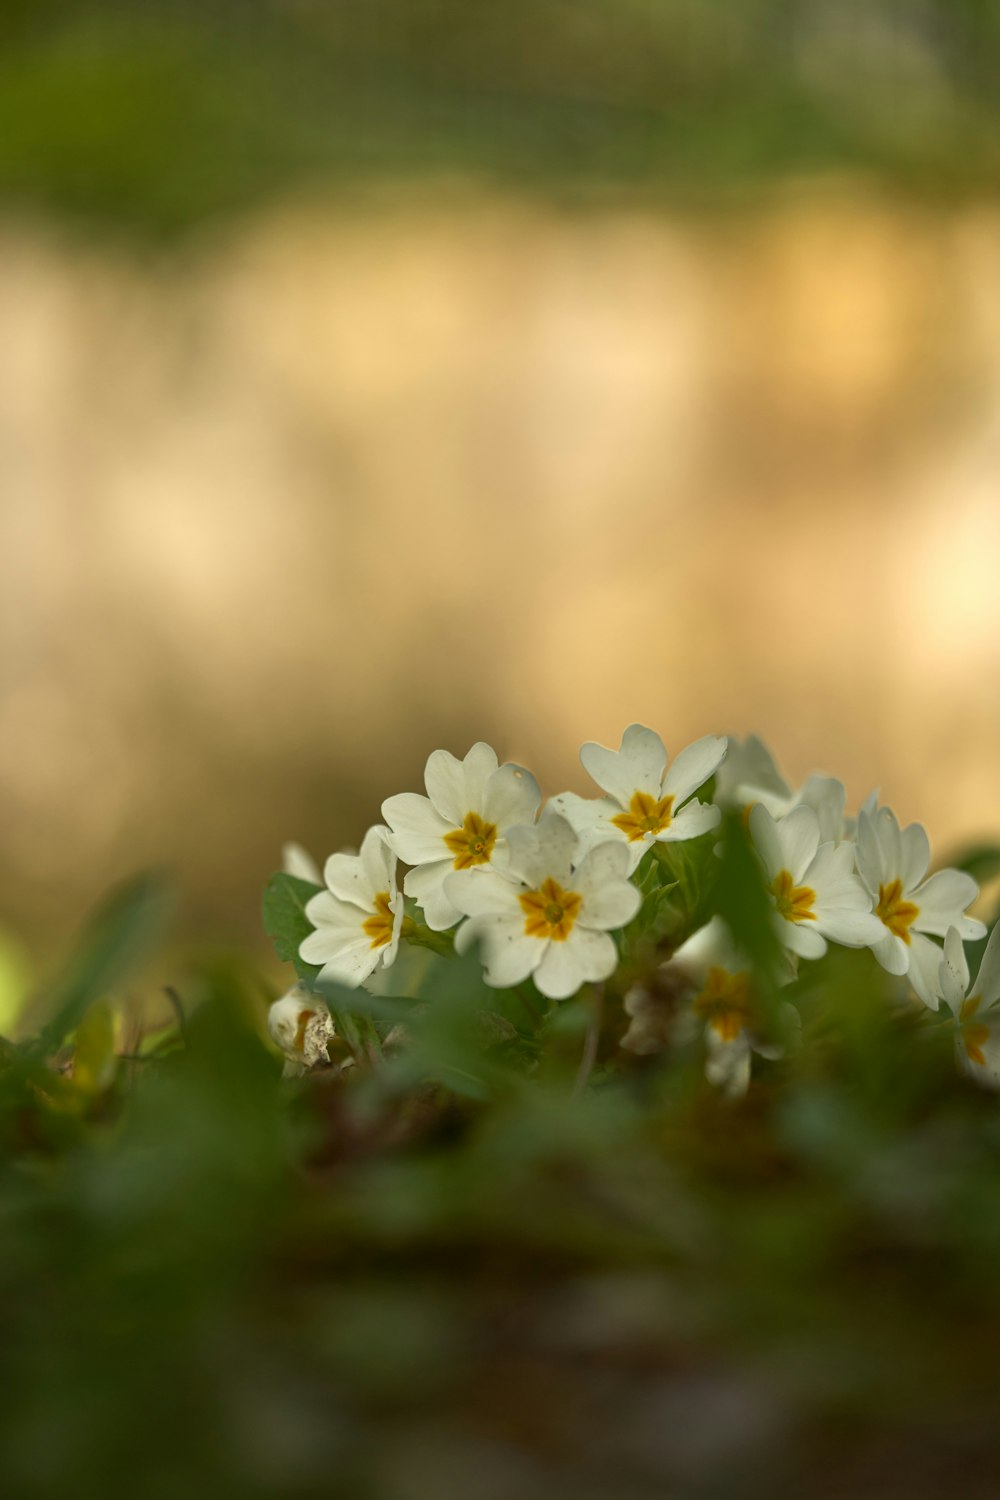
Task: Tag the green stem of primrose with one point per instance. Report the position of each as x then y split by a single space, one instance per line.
421 936
591 1041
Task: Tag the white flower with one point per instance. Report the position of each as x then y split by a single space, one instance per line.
359 915
543 915
299 862
892 862
725 1005
646 802
461 824
749 775
300 1024
977 1030
815 891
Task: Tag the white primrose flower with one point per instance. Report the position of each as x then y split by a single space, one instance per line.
461 824
815 892
297 861
892 862
749 774
977 1025
646 801
724 1004
358 916
544 915
300 1025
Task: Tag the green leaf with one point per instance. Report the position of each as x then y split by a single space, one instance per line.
285 920
742 899
94 1049
981 861
123 932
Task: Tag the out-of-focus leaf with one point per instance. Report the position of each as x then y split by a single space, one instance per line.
122 934
981 861
94 1049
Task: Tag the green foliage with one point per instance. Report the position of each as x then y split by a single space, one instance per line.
125 930
285 920
162 117
448 1258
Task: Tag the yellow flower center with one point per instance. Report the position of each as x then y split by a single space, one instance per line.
645 815
975 1037
725 1002
550 911
379 927
897 914
794 902
472 844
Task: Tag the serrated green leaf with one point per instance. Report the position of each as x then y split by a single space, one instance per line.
285 920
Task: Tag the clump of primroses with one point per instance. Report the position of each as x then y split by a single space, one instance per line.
560 898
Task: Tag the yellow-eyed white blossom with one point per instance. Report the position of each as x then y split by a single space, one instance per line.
461 824
358 917
549 913
911 910
974 1007
646 800
813 886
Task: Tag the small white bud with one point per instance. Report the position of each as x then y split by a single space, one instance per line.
300 1024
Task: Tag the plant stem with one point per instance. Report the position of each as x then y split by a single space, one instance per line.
590 1043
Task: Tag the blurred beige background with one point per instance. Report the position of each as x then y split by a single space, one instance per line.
284 511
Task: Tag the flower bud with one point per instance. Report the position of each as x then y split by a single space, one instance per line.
300 1024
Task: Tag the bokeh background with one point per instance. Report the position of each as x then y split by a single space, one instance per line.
379 377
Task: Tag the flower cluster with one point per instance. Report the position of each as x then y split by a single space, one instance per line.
568 895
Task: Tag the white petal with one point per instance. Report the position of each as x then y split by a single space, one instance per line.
710 946
480 763
299 862
482 894
942 901
798 835
508 953
871 863
347 878
511 795
851 926
888 835
728 1063
637 767
891 952
609 898
925 965
916 855
417 829
748 771
827 797
327 912
352 965
764 833
586 814
546 849
585 955
426 885
953 975
457 787
802 938
987 985
694 819
693 766
378 859
986 1073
